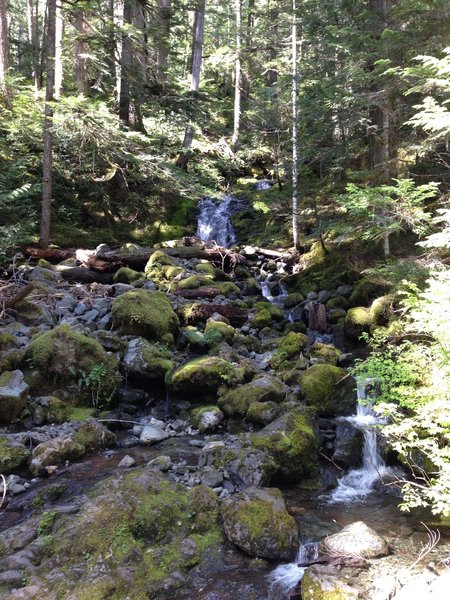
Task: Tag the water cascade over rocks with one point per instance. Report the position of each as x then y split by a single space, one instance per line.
358 483
285 578
214 220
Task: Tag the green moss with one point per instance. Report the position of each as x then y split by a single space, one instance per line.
262 319
275 312
293 344
194 339
63 355
297 327
46 522
236 402
80 413
381 310
126 275
145 313
57 411
93 435
293 299
326 352
357 321
12 455
217 332
263 412
159 257
194 282
365 291
337 302
328 389
201 378
209 269
8 341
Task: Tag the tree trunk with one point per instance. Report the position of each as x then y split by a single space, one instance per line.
294 127
59 33
4 53
197 46
33 40
48 125
125 66
237 83
272 72
163 34
386 245
80 51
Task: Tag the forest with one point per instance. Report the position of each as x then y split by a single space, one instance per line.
318 134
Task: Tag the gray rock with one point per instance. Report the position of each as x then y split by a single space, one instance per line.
210 420
91 315
55 452
127 462
13 394
151 435
323 296
105 322
348 445
355 539
311 296
67 303
323 581
211 477
163 463
344 290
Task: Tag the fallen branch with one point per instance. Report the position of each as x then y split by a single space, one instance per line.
20 295
331 461
4 490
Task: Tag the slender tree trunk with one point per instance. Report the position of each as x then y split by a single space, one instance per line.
294 127
162 43
33 40
246 78
80 52
237 82
117 39
48 125
125 66
197 47
272 72
4 50
59 33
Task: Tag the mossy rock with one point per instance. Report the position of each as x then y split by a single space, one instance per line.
8 341
257 521
322 582
358 320
201 378
55 452
194 282
163 275
94 436
217 332
56 411
381 310
145 313
297 327
126 275
11 355
325 352
293 344
208 269
275 311
206 418
337 302
236 402
329 390
335 315
365 291
159 257
13 395
144 361
293 299
292 442
263 413
262 319
193 339
12 455
64 356
32 314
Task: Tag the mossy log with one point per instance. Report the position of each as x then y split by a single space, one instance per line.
204 292
202 312
83 275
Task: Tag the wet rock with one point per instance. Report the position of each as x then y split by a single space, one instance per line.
94 436
146 361
263 412
236 402
13 395
13 455
152 434
250 467
355 539
348 445
322 582
329 390
127 462
201 378
55 452
257 521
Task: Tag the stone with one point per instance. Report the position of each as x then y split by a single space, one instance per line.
322 582
207 418
263 412
249 467
200 379
162 463
356 539
256 520
127 462
236 402
146 361
358 320
54 452
328 389
211 477
13 395
13 455
151 435
94 435
348 445
326 352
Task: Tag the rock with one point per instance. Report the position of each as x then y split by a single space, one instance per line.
207 418
236 402
355 539
292 442
200 379
329 390
126 275
13 395
211 477
13 455
348 445
217 331
55 410
145 313
73 364
94 435
127 462
31 314
250 467
152 434
326 352
163 463
54 452
263 412
257 521
146 361
358 320
322 582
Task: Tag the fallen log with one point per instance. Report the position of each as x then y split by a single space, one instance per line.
202 312
88 260
204 292
50 254
83 275
254 250
20 295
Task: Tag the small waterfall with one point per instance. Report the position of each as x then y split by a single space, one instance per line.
284 578
358 483
266 292
214 221
263 184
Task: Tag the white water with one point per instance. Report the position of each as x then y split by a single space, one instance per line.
277 300
358 483
284 578
214 221
263 184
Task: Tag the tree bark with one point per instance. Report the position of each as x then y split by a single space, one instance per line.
80 51
162 42
197 47
59 33
48 126
4 50
125 66
238 74
294 128
33 40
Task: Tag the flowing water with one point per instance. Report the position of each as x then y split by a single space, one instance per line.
214 223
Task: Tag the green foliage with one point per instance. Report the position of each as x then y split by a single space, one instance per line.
94 381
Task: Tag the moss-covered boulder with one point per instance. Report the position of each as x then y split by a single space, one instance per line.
293 299
126 275
206 268
329 390
145 313
10 353
13 395
337 302
12 455
94 436
206 418
275 312
217 331
158 257
257 521
358 320
236 401
74 364
365 291
292 442
323 582
200 379
55 452
325 352
54 409
193 339
263 413
262 319
144 361
31 314
193 282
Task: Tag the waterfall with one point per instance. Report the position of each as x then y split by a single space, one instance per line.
284 578
358 483
214 221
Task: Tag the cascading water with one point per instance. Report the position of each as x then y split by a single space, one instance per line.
214 221
358 483
284 578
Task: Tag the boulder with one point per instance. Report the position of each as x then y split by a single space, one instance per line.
237 401
250 467
329 390
145 313
200 379
356 539
322 582
326 353
207 418
13 395
263 412
127 275
94 435
146 361
257 521
348 445
292 442
358 320
151 434
55 452
12 455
